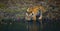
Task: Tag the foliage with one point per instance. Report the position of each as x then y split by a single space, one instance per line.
2 5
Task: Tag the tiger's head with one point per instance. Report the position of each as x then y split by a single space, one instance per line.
29 13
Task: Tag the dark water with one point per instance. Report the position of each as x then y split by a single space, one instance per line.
30 26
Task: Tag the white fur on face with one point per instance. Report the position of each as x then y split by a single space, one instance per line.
30 14
26 14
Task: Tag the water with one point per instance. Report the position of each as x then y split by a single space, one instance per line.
30 26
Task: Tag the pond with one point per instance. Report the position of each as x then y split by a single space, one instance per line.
29 26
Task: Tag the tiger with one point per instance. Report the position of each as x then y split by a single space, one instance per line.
34 12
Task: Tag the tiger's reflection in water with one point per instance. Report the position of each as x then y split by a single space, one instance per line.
31 26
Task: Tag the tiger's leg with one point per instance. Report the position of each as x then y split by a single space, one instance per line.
41 25
40 18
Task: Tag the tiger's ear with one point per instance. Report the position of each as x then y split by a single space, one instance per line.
28 10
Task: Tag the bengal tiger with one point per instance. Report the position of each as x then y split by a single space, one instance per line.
35 12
